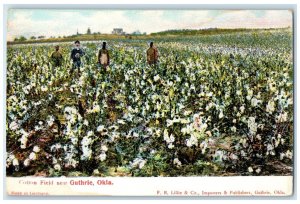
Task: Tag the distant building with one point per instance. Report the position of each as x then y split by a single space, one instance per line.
118 31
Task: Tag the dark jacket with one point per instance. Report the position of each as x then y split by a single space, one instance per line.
74 52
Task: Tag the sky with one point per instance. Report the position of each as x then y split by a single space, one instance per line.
56 22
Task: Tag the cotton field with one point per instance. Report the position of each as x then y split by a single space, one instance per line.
216 105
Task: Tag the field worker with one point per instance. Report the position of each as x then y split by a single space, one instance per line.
76 54
152 54
56 57
103 56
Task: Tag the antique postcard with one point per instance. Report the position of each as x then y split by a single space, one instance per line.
161 102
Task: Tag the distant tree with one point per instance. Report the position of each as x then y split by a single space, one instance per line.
41 37
88 31
32 38
22 38
16 39
137 32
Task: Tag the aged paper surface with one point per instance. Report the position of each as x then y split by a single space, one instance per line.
185 103
175 186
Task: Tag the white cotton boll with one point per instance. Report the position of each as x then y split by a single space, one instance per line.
172 138
252 125
120 121
177 162
171 146
23 143
188 143
74 163
57 145
258 170
208 133
250 92
102 156
243 153
86 122
157 115
44 88
54 160
96 108
289 154
90 133
135 134
282 117
167 139
8 163
282 155
250 169
277 143
242 109
32 156
86 154
142 164
254 102
147 106
221 115
258 137
170 83
15 162
169 122
74 140
100 128
156 77
233 157
73 119
186 113
14 125
104 148
26 162
36 149
184 130
57 167
270 107
203 146
270 147
36 128
85 141
166 134
50 120
96 171
196 116
79 117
